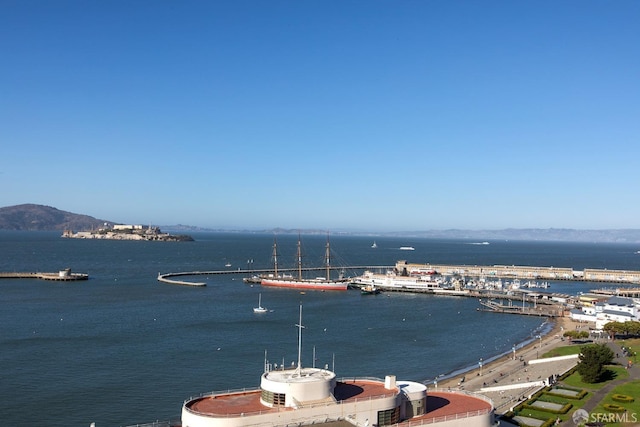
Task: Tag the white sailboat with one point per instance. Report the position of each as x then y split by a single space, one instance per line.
374 245
259 308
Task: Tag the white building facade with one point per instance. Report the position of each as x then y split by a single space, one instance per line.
615 309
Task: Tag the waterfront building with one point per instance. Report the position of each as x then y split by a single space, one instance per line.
614 309
314 396
120 227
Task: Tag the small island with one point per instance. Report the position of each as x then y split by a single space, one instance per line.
127 232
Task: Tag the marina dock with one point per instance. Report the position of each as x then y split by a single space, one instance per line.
537 310
514 300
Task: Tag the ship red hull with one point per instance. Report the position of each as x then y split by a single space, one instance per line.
306 284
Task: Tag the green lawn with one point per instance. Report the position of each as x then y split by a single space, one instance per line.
613 373
634 344
563 350
632 415
543 415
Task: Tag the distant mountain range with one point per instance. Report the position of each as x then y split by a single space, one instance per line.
46 218
533 234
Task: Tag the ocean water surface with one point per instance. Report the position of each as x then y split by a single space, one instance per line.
123 348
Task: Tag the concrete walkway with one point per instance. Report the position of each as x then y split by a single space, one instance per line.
510 380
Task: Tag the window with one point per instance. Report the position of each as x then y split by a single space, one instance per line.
388 417
276 399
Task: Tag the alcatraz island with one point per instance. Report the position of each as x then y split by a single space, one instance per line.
127 232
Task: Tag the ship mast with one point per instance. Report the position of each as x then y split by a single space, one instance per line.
274 255
299 255
327 259
300 327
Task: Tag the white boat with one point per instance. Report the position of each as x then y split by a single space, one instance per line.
369 290
305 396
407 248
374 245
259 308
391 281
318 283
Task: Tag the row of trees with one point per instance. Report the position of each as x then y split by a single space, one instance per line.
575 334
628 328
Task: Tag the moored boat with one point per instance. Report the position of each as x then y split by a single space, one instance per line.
318 283
391 281
369 290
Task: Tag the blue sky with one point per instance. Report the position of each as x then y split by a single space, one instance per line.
361 115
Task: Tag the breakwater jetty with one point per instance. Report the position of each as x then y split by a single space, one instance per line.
166 278
522 272
62 276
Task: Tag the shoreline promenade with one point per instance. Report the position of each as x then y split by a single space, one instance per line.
507 380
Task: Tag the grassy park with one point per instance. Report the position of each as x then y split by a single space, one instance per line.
620 407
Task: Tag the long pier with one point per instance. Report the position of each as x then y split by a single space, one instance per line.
62 276
628 293
524 272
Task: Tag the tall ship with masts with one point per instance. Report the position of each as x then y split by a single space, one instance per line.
318 283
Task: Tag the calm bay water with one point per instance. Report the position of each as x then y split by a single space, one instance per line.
124 348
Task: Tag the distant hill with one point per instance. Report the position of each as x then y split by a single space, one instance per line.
31 217
530 234
46 218
527 234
